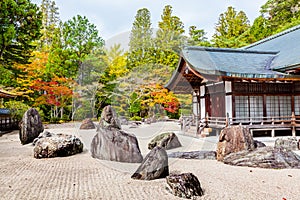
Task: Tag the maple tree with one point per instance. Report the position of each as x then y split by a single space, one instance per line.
152 98
56 93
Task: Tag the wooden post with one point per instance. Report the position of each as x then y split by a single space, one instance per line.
227 120
183 125
293 123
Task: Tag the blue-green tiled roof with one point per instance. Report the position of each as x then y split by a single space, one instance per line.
287 43
231 62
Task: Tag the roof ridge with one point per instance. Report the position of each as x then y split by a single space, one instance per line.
294 28
230 50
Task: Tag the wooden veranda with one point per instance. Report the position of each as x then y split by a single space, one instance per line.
195 125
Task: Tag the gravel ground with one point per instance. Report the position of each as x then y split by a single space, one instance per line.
82 177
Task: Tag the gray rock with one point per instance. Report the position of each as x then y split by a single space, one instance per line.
165 140
290 143
258 144
265 157
116 145
87 124
43 135
109 119
202 155
154 166
184 185
51 145
112 143
30 126
234 139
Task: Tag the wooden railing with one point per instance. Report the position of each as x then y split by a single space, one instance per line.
253 123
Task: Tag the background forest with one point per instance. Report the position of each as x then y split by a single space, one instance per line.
64 69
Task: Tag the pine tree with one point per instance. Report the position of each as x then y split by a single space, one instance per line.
230 27
49 23
141 32
197 37
170 33
140 39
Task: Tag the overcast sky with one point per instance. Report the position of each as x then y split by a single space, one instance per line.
114 17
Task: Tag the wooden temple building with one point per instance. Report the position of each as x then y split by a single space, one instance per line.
7 122
257 86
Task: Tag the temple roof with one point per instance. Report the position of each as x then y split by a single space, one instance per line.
231 62
275 57
287 43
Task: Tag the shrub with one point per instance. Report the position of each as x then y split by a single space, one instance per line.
136 118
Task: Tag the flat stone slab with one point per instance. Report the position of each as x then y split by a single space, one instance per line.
201 155
265 157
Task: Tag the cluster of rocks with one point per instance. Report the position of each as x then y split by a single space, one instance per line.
237 147
46 144
114 144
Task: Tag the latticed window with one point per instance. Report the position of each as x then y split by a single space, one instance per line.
241 107
278 106
272 105
285 105
256 106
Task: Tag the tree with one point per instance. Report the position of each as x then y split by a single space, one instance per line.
20 26
169 36
56 93
141 32
260 29
152 99
115 67
197 37
73 42
230 27
49 23
140 39
281 14
29 73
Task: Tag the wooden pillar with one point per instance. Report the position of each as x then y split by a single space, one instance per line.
293 123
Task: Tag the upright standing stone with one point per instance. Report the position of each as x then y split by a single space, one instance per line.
234 139
155 165
30 126
112 143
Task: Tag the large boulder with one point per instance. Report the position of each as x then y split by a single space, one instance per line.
112 143
184 185
264 157
30 126
166 140
154 166
87 124
50 145
234 139
290 143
